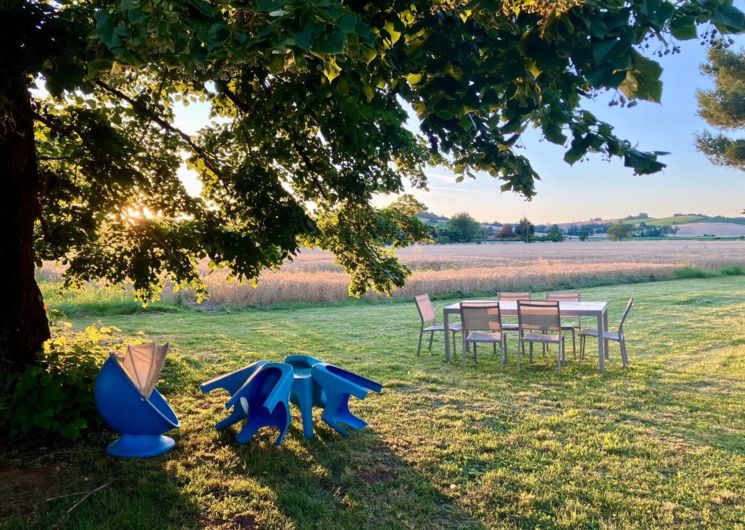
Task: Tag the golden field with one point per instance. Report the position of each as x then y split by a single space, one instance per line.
313 276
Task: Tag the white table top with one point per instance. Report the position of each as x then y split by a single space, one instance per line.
587 308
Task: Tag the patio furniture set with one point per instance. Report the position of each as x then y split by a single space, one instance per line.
546 321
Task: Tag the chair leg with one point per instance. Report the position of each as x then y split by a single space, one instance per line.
455 350
419 349
475 359
520 346
494 344
574 344
624 354
560 356
531 351
582 340
504 350
563 350
431 336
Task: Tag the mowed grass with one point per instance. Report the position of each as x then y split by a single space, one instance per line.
658 445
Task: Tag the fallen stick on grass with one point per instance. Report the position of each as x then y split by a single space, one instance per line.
91 492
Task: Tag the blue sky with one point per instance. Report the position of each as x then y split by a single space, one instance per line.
598 188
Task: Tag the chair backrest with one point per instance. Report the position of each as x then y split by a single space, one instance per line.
480 316
564 297
625 314
513 297
143 364
538 315
425 308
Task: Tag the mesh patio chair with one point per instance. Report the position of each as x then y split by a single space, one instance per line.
577 321
429 322
617 336
540 322
482 324
512 297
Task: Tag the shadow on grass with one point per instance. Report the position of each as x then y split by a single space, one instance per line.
356 482
80 486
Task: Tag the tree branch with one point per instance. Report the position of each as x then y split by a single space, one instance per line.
312 171
164 124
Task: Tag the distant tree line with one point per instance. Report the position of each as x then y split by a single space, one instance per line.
463 228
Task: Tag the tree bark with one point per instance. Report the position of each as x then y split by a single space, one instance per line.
23 320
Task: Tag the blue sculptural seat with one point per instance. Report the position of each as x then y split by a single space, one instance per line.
318 384
305 393
338 385
261 393
262 399
141 419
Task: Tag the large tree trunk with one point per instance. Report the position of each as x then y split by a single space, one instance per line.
23 320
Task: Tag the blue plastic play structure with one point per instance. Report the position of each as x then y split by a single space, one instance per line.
140 420
305 381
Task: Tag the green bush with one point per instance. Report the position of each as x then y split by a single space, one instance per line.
732 270
690 273
54 396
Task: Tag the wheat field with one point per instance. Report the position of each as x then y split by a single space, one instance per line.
313 276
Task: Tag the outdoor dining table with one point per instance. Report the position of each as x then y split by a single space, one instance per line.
597 310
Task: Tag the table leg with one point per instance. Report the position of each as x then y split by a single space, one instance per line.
446 333
601 343
606 345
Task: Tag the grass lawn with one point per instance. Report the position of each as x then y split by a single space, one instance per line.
660 444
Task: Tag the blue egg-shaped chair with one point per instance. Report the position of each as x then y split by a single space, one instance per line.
129 403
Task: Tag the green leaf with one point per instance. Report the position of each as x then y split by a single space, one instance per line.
642 79
603 50
348 22
683 28
269 5
391 30
331 70
414 79
95 68
729 19
333 44
104 26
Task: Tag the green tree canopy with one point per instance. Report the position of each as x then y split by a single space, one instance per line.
308 108
620 231
723 107
524 229
463 228
555 233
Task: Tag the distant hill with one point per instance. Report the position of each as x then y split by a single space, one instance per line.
667 221
688 225
430 218
683 219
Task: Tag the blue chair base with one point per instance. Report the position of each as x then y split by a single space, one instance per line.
140 445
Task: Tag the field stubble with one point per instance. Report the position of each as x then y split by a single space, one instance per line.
314 276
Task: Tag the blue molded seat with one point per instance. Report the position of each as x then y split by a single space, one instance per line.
338 385
305 394
232 381
262 401
141 421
